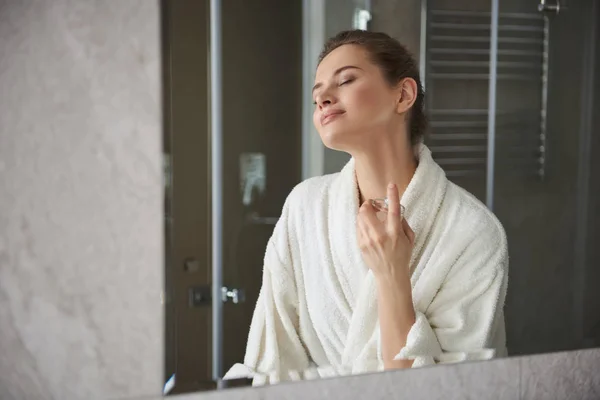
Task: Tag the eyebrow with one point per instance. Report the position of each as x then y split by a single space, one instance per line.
337 72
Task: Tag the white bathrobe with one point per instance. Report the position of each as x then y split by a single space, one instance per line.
316 314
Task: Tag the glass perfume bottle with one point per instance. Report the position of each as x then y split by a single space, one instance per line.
382 205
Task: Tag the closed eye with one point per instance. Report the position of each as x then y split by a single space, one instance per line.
340 84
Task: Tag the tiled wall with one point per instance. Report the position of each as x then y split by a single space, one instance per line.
81 242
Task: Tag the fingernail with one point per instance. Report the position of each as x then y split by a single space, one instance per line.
391 186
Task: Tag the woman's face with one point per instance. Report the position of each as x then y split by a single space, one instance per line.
354 104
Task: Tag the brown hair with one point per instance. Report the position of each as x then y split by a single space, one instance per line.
396 63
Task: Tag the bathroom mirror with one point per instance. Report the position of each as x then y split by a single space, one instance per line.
510 92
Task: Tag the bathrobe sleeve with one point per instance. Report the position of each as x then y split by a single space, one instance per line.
461 322
274 349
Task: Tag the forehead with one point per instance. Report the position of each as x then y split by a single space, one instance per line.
344 55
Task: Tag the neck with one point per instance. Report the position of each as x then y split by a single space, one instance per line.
384 163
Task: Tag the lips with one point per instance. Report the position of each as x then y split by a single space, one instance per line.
330 115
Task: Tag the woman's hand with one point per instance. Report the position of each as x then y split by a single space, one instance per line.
386 246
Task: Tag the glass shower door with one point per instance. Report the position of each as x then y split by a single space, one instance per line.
255 155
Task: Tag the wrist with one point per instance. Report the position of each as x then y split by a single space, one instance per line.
394 287
393 278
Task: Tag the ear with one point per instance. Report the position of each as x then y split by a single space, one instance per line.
407 95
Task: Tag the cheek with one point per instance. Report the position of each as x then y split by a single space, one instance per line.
367 100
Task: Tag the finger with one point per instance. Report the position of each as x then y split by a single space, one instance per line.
360 227
368 214
364 232
361 234
410 234
374 229
394 217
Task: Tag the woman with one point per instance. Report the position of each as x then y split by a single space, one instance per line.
349 290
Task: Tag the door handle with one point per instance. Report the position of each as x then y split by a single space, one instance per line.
233 295
200 296
545 7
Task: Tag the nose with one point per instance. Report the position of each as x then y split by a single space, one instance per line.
325 99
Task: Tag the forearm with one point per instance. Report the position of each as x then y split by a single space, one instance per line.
396 317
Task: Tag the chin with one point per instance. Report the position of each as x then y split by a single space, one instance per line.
335 140
340 139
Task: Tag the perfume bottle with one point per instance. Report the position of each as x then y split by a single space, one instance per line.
382 205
